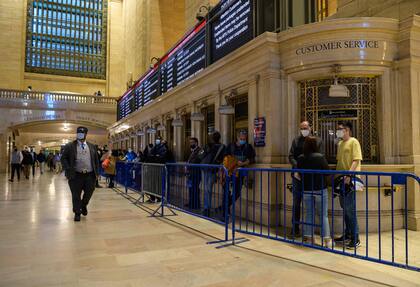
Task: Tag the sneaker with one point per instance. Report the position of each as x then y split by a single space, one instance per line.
342 239
353 244
328 243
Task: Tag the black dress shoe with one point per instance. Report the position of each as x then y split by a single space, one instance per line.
84 211
77 217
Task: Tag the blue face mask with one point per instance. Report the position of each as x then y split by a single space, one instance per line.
80 136
242 142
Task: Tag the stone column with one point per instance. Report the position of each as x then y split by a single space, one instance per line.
408 103
4 160
178 127
197 119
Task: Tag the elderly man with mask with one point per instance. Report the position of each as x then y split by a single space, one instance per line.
81 165
295 151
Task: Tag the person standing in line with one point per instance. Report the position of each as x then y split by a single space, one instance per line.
109 161
41 160
244 155
349 158
213 153
81 164
315 190
296 150
34 160
193 175
15 163
26 162
158 154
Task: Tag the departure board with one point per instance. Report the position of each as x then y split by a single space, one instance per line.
126 105
150 85
231 27
185 60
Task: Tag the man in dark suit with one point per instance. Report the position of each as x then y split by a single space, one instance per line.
81 165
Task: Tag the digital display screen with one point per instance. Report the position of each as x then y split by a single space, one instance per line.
232 28
126 105
150 85
185 60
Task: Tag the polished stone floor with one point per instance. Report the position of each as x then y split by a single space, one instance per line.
118 244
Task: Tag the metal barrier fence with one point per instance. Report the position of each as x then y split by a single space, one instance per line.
369 209
198 189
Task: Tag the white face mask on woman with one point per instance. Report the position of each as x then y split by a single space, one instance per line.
339 134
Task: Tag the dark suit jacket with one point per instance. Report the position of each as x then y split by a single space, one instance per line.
68 159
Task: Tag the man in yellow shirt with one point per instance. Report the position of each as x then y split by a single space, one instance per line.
349 158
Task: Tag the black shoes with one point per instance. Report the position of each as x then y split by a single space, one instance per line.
77 217
342 239
353 244
84 211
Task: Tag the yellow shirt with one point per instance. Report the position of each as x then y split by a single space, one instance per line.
348 151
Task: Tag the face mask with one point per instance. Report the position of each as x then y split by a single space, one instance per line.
339 134
157 142
80 136
130 150
242 142
193 146
304 133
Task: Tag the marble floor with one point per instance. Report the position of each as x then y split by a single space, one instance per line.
119 244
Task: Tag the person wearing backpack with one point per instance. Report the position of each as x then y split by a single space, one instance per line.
212 154
244 155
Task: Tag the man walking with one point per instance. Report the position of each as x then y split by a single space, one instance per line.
349 158
41 160
295 151
16 163
81 164
34 160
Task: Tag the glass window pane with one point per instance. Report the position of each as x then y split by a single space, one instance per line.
58 31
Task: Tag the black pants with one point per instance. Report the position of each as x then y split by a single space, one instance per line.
297 203
16 167
33 170
238 190
82 182
194 180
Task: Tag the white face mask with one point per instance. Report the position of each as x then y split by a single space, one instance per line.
80 136
339 134
305 133
130 150
157 142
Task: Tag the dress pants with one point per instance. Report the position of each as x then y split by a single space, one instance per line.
82 182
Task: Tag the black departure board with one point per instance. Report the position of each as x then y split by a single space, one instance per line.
126 105
150 85
185 60
231 28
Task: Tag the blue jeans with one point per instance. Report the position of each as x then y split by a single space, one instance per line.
320 197
208 181
348 204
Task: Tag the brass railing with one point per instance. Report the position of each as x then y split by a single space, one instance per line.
56 97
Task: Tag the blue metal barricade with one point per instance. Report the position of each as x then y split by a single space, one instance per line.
200 190
120 173
365 212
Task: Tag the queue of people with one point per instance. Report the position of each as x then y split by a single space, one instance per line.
82 161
